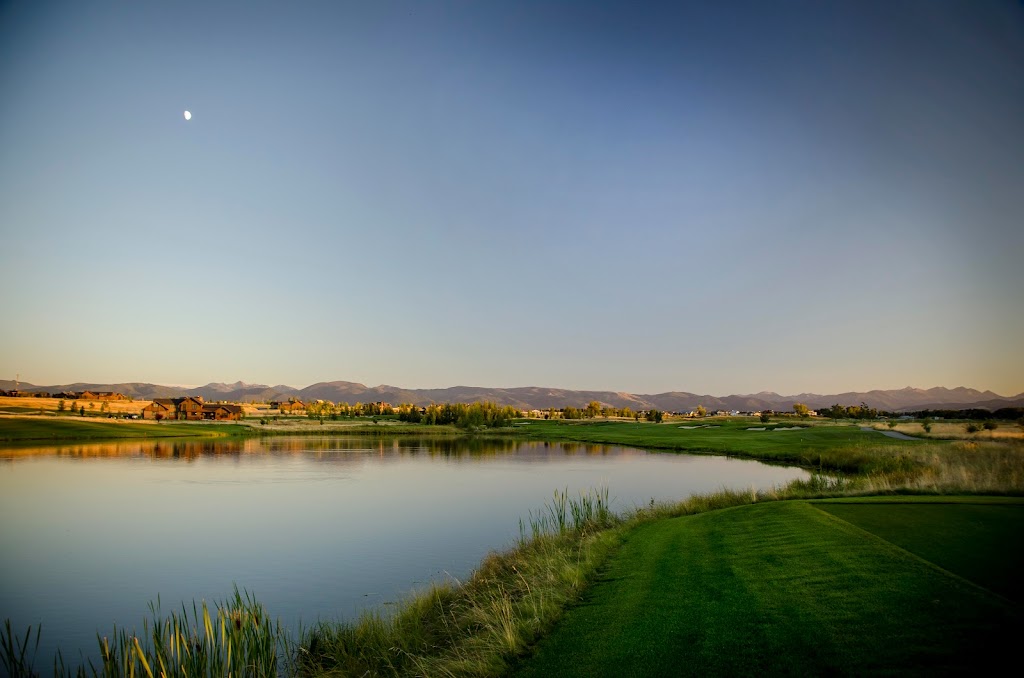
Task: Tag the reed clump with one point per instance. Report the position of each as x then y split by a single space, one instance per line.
479 626
235 638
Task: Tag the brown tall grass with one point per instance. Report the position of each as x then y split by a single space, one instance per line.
1007 431
51 405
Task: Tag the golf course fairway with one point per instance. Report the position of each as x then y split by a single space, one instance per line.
877 586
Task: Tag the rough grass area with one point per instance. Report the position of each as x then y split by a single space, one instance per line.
51 405
782 588
478 627
1006 430
824 445
34 429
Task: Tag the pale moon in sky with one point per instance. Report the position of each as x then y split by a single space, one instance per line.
188 115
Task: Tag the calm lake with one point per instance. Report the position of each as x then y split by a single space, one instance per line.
317 528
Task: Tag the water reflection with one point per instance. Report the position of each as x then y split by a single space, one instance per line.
326 448
316 527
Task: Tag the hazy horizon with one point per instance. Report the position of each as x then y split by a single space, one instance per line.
300 386
717 198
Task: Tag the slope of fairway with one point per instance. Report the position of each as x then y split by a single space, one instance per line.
775 588
982 542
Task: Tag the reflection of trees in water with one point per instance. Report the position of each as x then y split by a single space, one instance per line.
193 449
331 448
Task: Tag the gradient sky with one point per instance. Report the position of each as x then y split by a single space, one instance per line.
719 197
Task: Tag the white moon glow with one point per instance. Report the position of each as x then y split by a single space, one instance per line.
188 115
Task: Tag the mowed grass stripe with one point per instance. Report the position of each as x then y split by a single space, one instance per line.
983 543
773 588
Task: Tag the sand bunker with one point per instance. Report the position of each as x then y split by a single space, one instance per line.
892 434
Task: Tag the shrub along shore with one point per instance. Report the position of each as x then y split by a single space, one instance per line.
486 625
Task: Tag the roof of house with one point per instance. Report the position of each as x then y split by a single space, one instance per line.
222 406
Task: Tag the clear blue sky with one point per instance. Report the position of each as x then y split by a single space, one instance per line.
716 197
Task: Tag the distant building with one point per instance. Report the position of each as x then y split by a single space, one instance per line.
190 408
99 395
293 406
161 408
222 412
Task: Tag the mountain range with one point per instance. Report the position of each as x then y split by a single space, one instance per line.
535 397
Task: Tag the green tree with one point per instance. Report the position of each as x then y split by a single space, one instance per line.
592 409
801 409
60 405
656 416
701 412
765 417
572 413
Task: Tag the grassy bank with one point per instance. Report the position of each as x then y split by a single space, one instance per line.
822 445
487 624
802 588
35 429
361 427
484 626
793 578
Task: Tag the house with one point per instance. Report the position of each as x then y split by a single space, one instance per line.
161 408
291 407
189 408
101 395
222 412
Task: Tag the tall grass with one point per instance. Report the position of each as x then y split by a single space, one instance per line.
480 626
567 514
15 659
236 638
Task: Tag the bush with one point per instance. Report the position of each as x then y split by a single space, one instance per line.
972 427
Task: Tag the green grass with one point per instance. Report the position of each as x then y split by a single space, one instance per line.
981 541
743 583
830 447
478 627
31 429
779 588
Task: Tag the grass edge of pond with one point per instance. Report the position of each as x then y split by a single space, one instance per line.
483 625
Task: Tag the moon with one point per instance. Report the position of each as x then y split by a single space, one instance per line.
188 115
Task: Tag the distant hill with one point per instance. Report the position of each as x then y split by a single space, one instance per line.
536 397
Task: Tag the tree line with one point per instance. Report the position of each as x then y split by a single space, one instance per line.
476 415
863 411
976 413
